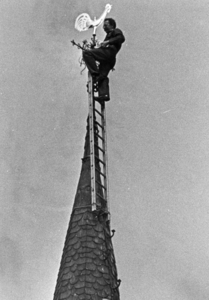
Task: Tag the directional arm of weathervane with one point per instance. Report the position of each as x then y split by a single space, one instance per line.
77 44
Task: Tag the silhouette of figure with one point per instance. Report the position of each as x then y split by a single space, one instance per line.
106 56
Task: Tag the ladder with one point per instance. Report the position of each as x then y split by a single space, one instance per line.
98 150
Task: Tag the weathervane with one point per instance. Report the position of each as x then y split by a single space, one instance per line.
84 22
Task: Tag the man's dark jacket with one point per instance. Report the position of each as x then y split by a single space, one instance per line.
115 38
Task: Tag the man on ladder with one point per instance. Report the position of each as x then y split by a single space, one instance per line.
98 81
106 56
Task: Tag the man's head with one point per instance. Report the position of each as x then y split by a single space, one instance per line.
109 24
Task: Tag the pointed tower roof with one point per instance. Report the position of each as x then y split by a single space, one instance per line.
88 269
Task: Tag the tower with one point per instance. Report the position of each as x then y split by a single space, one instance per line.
88 268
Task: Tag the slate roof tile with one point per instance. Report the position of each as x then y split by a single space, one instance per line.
81 232
90 244
97 286
80 291
80 284
90 266
96 273
110 246
107 290
83 297
98 228
75 256
91 233
77 217
68 259
103 269
90 279
64 283
102 247
73 241
101 281
98 252
85 272
89 216
65 295
74 267
73 280
77 273
107 280
81 267
88 227
82 255
82 222
89 260
101 235
81 260
90 222
87 248
74 297
98 262
104 294
90 291
77 245
88 284
69 264
80 211
97 240
90 255
66 270
73 291
74 230
84 239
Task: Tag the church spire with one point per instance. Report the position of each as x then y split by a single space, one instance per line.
88 268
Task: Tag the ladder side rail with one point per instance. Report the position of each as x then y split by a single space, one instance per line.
92 142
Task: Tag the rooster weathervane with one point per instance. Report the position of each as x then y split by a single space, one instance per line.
84 22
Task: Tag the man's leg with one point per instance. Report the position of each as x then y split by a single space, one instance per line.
102 55
103 84
103 88
90 62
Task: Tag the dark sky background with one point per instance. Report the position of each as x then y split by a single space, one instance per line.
158 144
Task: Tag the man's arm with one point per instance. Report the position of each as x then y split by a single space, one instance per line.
117 38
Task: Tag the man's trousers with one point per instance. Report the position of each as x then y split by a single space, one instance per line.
106 58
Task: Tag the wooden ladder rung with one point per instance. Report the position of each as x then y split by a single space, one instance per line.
99 125
101 185
99 136
100 160
100 148
99 113
100 173
101 197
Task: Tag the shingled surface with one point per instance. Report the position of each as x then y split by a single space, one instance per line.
88 269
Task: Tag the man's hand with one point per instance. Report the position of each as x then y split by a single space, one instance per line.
104 44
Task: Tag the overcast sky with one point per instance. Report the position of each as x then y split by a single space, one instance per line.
158 144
